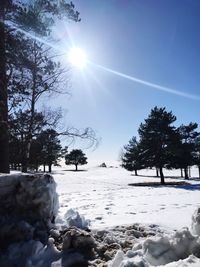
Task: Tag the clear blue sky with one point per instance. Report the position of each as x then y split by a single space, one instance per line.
154 40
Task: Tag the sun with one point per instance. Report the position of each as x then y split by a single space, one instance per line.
77 57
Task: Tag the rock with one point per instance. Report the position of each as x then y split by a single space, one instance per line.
103 165
79 241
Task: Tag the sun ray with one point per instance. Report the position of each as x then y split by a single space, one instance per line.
149 84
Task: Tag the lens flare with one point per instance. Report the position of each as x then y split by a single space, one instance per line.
77 57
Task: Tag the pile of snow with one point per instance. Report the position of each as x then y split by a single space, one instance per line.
139 261
73 218
31 253
196 222
164 250
29 205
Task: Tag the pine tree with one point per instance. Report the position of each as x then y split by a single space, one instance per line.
186 148
50 148
197 153
131 159
156 135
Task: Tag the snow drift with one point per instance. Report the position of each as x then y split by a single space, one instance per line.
181 248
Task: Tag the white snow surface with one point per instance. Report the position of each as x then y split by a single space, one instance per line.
104 197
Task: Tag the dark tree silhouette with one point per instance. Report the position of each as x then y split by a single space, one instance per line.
76 157
131 159
50 148
37 16
197 153
156 137
186 148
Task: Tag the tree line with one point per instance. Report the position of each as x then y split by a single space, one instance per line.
162 145
30 70
45 150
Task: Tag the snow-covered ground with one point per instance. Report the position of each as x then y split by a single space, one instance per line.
104 197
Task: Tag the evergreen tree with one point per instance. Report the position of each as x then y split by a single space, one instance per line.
131 159
197 153
37 16
76 157
51 149
186 148
156 139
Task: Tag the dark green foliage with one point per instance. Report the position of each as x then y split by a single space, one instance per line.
20 131
131 159
156 139
50 147
196 153
162 145
186 148
76 157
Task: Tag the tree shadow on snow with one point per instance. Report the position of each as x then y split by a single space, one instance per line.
177 185
168 177
190 187
75 170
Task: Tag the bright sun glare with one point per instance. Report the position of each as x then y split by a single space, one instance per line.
77 57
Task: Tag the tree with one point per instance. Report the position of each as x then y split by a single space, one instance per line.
37 16
131 159
50 148
156 138
76 157
185 152
197 153
4 155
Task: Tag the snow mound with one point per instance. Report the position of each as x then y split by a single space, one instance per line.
29 205
162 250
73 218
196 222
30 254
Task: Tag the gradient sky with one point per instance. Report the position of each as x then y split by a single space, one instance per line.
153 40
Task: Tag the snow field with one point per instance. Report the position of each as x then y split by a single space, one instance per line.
104 197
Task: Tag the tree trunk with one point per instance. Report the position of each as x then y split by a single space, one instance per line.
44 169
181 173
50 167
76 167
199 171
24 165
162 178
136 173
186 173
4 145
157 172
189 171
